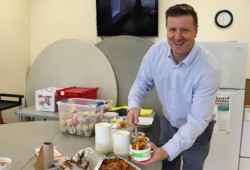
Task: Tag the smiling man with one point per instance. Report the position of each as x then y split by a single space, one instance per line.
186 78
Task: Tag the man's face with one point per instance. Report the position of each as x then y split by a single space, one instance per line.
181 34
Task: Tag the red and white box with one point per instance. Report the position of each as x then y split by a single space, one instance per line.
46 99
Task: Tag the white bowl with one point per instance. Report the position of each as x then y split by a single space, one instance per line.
142 155
5 163
110 115
140 135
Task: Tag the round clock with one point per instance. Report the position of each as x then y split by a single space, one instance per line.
223 18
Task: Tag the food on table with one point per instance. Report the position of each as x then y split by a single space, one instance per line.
133 137
140 144
110 115
78 116
71 164
115 164
140 134
80 123
77 162
3 163
120 124
141 155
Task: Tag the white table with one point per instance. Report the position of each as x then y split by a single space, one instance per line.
33 113
19 140
45 115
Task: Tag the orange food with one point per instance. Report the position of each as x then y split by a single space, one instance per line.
140 144
114 164
3 163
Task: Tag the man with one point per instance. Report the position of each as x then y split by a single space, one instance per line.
186 78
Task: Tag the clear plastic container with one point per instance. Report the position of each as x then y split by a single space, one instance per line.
78 116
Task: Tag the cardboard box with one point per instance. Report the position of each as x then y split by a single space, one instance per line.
46 99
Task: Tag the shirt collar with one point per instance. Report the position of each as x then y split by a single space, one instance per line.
191 56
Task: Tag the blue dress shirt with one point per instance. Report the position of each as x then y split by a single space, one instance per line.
186 91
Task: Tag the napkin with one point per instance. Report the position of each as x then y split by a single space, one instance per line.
144 112
118 108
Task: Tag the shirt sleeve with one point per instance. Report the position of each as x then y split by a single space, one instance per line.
143 82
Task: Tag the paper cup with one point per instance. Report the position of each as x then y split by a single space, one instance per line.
142 155
5 163
103 137
121 143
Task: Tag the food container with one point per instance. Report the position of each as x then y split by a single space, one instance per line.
5 163
111 161
77 92
94 159
110 115
140 135
120 123
78 116
142 155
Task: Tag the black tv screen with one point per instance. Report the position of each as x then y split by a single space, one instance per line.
127 17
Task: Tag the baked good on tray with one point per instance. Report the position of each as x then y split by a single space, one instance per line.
78 162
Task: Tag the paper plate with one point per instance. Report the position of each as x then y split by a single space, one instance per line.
145 121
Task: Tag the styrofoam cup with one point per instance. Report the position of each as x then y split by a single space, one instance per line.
142 155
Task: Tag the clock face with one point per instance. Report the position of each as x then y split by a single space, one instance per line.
224 18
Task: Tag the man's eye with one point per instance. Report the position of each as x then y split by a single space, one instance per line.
171 30
185 30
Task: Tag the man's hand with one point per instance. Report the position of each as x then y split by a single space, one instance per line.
133 116
158 154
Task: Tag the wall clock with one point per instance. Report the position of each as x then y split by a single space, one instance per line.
223 18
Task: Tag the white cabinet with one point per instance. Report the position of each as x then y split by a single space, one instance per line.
225 147
245 145
244 164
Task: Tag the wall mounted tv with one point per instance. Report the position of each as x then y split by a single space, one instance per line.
127 17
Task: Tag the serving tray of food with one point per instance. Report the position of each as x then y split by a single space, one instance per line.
89 159
115 163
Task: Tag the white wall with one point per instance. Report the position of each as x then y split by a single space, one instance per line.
52 20
14 49
43 22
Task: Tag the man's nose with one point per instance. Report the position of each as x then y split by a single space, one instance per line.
178 35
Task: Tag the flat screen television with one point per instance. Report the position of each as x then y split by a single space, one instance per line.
127 17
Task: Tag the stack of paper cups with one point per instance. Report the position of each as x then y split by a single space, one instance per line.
103 137
121 142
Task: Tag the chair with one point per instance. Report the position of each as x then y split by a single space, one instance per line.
7 104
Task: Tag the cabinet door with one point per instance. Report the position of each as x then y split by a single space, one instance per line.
245 146
225 147
244 164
